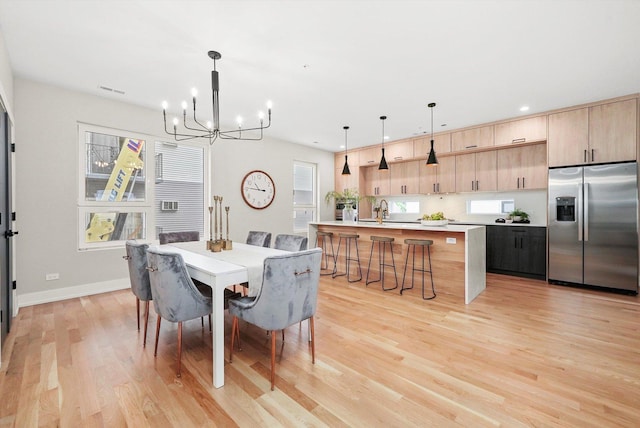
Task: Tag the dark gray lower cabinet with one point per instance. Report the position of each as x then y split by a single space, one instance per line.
517 250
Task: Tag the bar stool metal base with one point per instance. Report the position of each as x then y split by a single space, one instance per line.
411 248
325 265
382 242
348 237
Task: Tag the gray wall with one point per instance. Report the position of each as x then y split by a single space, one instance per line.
46 119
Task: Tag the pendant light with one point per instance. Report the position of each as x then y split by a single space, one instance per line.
432 160
383 162
345 169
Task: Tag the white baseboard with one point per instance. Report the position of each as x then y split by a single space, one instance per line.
39 297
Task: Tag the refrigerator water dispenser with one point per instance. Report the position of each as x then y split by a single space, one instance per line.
565 208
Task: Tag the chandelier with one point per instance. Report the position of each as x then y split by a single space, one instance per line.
211 129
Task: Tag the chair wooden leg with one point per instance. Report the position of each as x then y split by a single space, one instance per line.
234 327
313 341
155 352
179 348
138 312
273 359
210 324
146 323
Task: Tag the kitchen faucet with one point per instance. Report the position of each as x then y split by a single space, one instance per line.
385 211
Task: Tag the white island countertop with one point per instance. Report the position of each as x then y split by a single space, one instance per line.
400 225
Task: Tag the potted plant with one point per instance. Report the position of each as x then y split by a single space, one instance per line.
349 197
518 215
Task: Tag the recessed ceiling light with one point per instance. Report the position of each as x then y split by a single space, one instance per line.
386 137
524 108
342 146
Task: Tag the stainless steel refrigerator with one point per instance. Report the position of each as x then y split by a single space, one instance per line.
593 226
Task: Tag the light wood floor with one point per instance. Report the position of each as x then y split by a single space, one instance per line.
523 354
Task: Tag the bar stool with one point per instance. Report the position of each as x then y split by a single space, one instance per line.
383 242
411 248
349 238
325 236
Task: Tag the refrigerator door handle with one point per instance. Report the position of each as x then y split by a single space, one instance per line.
579 212
586 212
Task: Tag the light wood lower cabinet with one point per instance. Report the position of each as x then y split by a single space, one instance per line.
476 172
522 168
440 178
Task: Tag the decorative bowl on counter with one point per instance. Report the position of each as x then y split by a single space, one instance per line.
434 222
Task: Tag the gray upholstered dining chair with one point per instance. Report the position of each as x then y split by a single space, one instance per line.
290 242
175 296
259 239
170 237
289 295
139 277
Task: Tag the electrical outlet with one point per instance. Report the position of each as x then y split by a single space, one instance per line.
52 276
451 240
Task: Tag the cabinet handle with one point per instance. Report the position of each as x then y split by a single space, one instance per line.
585 155
438 187
518 140
515 242
593 159
518 182
477 185
521 243
473 185
370 161
523 182
471 147
398 158
434 187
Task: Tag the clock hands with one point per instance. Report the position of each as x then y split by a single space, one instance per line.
256 188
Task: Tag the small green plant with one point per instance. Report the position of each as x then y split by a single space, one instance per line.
347 195
519 213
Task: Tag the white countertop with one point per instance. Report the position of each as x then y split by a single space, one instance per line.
460 222
394 225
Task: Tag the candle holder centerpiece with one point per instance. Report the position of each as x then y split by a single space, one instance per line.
215 242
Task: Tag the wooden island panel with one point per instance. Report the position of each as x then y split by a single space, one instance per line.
450 261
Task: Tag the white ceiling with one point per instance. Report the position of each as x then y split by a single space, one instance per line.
326 64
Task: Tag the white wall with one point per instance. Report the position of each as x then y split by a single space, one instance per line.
6 78
47 182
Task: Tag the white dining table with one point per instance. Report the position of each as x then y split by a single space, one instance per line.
244 263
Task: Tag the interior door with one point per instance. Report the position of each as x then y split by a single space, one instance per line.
5 225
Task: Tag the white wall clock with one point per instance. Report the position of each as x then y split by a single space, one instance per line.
258 189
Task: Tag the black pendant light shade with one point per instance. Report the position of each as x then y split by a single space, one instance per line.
383 162
432 160
345 168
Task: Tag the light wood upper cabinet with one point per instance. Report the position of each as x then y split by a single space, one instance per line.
377 181
521 131
370 156
598 134
422 145
395 152
472 138
350 181
440 178
404 178
613 130
568 137
476 172
522 168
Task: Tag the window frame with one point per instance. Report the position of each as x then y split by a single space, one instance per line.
314 198
146 206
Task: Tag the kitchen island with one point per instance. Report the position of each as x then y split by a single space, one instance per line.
458 253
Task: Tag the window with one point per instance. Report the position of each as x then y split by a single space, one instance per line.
490 206
404 207
304 195
179 192
124 192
